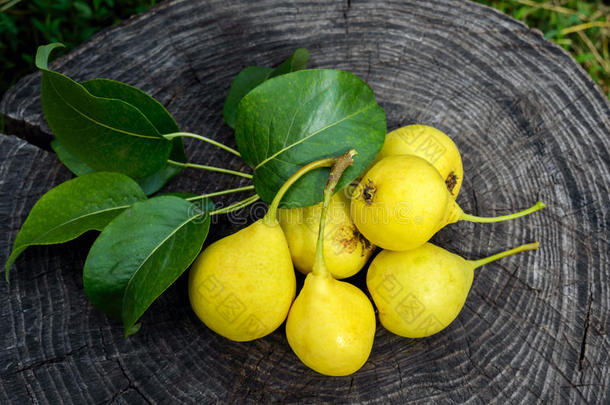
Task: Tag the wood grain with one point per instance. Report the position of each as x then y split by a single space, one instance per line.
530 125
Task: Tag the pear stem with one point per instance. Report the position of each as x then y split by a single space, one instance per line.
210 168
522 248
271 216
217 193
236 206
202 138
340 165
473 218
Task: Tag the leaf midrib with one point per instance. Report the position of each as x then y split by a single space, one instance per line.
94 120
171 234
35 241
284 149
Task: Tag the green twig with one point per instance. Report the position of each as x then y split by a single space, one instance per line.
217 193
238 205
202 138
210 168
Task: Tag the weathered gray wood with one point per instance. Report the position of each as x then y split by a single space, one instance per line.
529 122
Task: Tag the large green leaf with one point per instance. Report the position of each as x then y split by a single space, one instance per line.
105 133
252 76
299 117
74 164
150 107
150 184
85 203
141 253
246 80
156 114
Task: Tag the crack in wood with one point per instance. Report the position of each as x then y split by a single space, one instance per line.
583 345
53 360
131 385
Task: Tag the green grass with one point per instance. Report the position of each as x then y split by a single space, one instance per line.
26 24
580 27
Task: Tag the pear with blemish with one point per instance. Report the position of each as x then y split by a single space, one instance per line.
420 292
430 144
331 324
346 251
242 286
402 201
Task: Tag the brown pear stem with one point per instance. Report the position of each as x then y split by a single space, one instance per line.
473 218
341 163
522 248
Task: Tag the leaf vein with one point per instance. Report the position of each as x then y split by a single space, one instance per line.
94 120
314 134
161 243
35 241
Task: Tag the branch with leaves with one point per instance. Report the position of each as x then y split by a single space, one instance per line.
124 146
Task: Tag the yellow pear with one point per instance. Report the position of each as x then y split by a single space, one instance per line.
346 251
430 144
242 286
331 324
402 201
421 291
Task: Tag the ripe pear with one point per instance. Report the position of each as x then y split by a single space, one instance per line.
430 144
346 251
421 291
331 324
402 201
242 286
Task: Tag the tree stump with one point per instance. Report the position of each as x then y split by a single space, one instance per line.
530 125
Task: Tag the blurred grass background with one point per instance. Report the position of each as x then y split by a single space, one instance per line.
26 24
580 27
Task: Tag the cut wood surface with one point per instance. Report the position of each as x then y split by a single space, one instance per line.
531 125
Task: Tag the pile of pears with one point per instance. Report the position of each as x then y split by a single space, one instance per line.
243 287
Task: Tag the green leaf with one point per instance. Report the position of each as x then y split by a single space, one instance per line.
85 203
252 76
141 253
202 204
156 114
43 53
180 194
149 185
74 164
149 106
246 80
297 61
303 116
153 183
106 134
